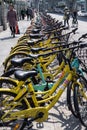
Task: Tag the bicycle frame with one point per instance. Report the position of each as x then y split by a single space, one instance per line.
48 97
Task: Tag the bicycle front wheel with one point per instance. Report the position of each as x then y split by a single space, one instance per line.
70 102
6 82
9 106
80 103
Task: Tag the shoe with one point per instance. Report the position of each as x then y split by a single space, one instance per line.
13 34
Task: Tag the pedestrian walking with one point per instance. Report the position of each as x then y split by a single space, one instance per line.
74 18
12 19
29 13
66 16
23 12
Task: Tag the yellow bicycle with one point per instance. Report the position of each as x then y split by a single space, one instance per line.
23 103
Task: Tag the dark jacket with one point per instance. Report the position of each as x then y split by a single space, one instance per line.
12 17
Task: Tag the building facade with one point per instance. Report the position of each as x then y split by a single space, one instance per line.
82 5
40 5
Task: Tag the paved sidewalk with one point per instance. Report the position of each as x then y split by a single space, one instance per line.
60 118
7 41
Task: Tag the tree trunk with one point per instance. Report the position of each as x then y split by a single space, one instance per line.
3 20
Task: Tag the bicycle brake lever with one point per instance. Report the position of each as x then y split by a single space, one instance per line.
74 30
83 36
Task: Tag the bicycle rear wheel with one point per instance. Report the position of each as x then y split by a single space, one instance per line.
80 103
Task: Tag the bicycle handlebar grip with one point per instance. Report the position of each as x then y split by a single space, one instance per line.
74 30
83 45
83 36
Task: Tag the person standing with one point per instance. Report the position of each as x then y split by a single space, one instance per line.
66 16
74 17
28 13
23 13
12 19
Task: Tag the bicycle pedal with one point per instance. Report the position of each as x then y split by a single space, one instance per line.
30 125
39 125
16 126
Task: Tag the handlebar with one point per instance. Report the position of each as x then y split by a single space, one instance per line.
59 44
67 60
58 51
55 30
74 30
65 49
83 36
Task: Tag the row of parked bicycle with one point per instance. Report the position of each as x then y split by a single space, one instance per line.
37 71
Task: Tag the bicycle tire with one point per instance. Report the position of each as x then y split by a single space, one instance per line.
80 104
5 99
6 82
19 49
70 102
23 49
17 46
24 37
9 67
21 54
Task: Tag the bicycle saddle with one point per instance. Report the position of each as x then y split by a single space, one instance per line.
34 56
35 36
35 31
34 41
34 50
21 61
23 75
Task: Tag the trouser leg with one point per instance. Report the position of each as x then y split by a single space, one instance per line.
12 30
68 22
27 17
65 22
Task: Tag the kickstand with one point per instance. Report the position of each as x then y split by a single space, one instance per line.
30 125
